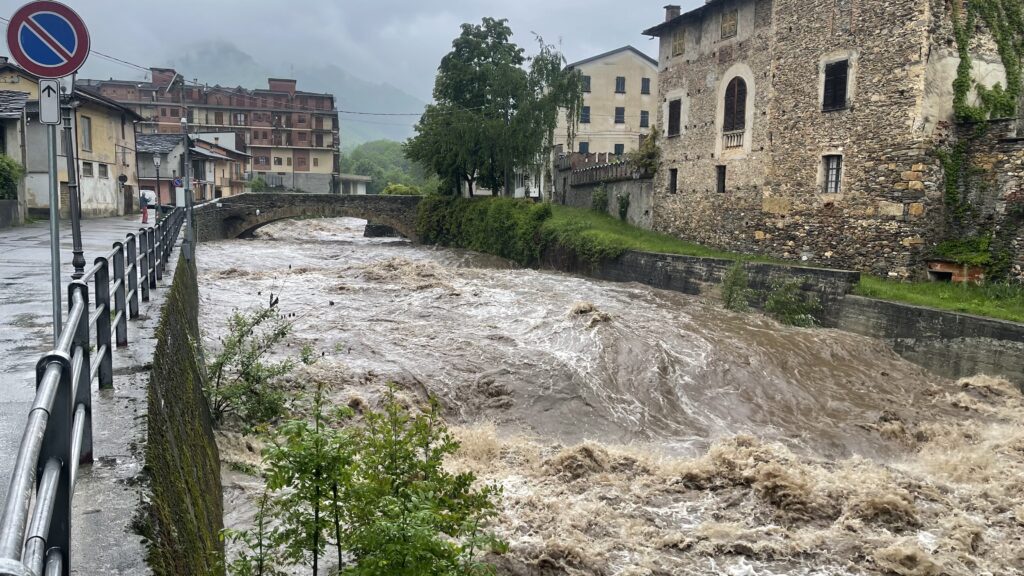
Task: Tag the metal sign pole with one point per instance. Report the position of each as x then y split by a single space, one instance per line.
51 144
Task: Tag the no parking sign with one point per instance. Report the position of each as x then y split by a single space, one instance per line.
48 39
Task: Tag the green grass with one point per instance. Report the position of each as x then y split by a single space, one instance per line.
595 236
1001 301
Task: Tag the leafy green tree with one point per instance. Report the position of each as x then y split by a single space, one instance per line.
11 174
257 551
495 110
735 288
647 157
258 184
386 163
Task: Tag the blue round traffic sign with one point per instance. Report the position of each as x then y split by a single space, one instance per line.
177 182
48 39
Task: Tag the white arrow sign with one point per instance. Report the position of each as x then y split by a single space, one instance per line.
49 102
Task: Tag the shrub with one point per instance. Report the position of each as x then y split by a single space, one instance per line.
623 206
599 200
647 157
401 190
506 227
258 184
735 290
241 381
789 305
11 174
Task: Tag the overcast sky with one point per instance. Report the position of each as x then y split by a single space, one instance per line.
398 42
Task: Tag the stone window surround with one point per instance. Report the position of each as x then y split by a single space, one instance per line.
851 76
741 70
819 185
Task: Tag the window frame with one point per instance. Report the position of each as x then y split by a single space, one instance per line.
678 47
620 115
585 79
87 170
86 133
733 21
585 115
734 112
620 84
620 149
677 104
584 147
102 170
673 180
830 99
832 174
645 119
645 86
720 178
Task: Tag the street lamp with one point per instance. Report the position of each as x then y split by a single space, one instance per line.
159 191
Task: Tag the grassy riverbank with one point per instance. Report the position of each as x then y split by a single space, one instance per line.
993 300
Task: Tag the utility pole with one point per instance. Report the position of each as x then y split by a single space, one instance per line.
74 200
156 163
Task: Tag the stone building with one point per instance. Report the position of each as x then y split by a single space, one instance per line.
620 91
807 130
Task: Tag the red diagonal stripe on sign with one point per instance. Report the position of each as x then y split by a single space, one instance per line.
48 39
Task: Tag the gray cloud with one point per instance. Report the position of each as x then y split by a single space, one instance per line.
386 41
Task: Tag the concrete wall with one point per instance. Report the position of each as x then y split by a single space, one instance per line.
641 199
184 516
10 215
950 344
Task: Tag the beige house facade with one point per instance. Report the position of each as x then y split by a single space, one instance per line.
620 103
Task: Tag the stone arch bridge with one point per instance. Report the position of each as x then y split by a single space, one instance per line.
239 216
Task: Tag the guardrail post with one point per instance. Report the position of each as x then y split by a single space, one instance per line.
119 293
143 265
158 233
102 279
57 445
132 273
151 245
83 388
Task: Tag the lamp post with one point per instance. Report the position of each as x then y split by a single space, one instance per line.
74 200
159 191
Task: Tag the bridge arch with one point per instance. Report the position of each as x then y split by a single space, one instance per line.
240 216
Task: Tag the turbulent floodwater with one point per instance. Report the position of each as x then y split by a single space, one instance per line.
638 431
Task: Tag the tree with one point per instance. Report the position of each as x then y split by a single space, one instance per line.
386 163
491 114
10 174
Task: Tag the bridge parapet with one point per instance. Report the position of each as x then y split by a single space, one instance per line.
239 216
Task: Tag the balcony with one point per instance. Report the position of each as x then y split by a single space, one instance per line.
732 140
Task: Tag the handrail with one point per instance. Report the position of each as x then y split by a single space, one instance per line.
35 524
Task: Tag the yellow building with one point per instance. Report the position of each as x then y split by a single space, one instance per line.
620 103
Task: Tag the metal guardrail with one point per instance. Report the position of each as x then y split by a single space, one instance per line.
35 528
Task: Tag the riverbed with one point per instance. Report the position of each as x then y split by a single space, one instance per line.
640 431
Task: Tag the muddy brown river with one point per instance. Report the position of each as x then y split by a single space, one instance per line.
640 431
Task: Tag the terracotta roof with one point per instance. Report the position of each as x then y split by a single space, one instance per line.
657 30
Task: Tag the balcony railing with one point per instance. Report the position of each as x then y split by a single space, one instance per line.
733 139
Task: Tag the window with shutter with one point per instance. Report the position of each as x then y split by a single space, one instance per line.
675 109
584 147
735 106
586 83
620 115
585 115
678 43
730 23
645 85
620 84
645 119
620 149
836 84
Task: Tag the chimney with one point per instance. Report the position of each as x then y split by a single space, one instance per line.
3 60
671 11
216 140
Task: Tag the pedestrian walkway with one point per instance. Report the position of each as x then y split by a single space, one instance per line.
104 497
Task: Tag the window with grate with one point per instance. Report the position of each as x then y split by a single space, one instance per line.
836 84
735 106
833 165
620 115
675 113
620 84
585 115
104 171
87 170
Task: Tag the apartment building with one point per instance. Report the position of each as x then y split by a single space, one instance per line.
620 103
292 137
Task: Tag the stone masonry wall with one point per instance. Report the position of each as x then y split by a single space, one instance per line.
890 211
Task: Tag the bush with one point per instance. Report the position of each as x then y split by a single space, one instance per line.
623 206
401 190
258 184
241 381
789 305
599 200
506 227
11 174
735 290
377 491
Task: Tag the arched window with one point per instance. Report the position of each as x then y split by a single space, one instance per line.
735 106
